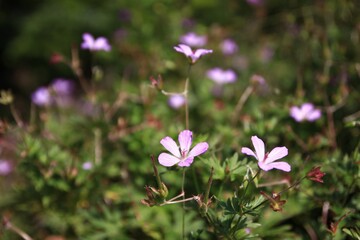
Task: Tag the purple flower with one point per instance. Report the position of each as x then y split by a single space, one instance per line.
93 44
181 155
266 161
176 101
266 53
229 47
305 112
255 2
220 76
62 86
5 167
42 97
87 165
190 54
193 40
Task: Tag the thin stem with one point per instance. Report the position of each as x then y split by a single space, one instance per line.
331 124
16 116
158 180
180 201
16 230
186 104
186 88
293 185
241 103
183 205
98 148
178 196
208 186
250 181
75 66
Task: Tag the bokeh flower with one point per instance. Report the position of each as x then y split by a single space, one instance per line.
228 47
193 40
87 165
181 155
255 2
62 86
221 76
176 101
42 97
307 112
266 161
193 56
100 43
5 167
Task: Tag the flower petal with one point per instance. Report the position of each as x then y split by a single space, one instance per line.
185 140
168 160
199 52
88 41
296 113
171 146
284 166
275 154
186 163
259 147
184 49
199 148
306 108
248 151
314 115
101 43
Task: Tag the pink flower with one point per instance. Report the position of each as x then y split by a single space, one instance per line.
5 167
62 86
229 47
181 155
190 54
87 165
176 101
93 44
42 97
220 76
194 40
255 2
266 161
305 112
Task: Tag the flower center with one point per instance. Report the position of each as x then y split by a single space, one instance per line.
183 153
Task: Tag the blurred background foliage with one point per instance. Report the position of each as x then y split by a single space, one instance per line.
307 51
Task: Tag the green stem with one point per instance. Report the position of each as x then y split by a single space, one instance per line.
183 204
250 181
186 88
186 104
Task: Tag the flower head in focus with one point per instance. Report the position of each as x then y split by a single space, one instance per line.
193 40
307 112
193 56
276 203
266 161
100 43
315 174
228 47
181 155
42 97
176 101
220 76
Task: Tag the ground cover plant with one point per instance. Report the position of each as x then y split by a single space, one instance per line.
173 120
